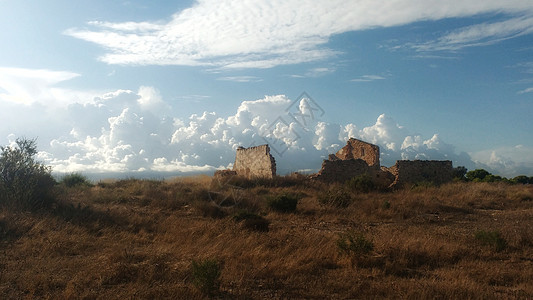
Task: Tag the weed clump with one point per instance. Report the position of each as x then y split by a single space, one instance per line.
251 221
283 203
352 243
493 239
206 276
335 197
362 183
75 179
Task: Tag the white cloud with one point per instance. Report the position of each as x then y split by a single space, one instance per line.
27 86
480 34
368 78
130 132
263 34
241 78
117 134
528 90
506 161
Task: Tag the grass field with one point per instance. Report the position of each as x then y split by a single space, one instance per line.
194 237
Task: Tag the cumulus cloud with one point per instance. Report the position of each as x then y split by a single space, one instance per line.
263 34
133 132
120 133
506 161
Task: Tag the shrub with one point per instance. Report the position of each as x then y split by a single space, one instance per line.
362 183
24 183
352 243
335 197
251 221
491 238
386 204
283 203
521 179
206 276
477 175
210 209
74 179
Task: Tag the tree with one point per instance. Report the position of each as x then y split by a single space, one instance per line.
477 175
24 183
521 179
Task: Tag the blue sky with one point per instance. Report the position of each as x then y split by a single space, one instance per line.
137 87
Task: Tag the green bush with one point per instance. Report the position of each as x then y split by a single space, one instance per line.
492 239
477 175
522 179
352 243
335 197
74 179
206 276
24 183
362 183
283 203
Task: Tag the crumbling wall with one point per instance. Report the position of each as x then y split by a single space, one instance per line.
255 162
413 171
342 170
357 149
358 158
354 159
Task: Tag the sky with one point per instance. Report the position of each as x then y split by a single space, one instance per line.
120 88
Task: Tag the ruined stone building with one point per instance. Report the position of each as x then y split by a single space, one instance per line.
357 149
412 171
255 162
354 159
359 157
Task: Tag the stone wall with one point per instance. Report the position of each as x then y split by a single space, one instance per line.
357 149
255 162
342 170
413 171
358 158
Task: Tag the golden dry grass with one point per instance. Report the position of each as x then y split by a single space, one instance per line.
137 239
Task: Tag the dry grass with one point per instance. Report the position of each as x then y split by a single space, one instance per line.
137 239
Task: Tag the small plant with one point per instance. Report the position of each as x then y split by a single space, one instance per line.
386 204
283 203
206 276
352 243
75 179
491 238
335 197
251 221
210 209
362 183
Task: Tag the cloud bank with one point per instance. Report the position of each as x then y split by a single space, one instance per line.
130 133
125 132
264 34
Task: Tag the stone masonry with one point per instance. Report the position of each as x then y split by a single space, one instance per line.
255 162
359 158
357 149
412 171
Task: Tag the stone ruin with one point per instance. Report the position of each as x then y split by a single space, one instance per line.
253 162
356 149
355 159
359 158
